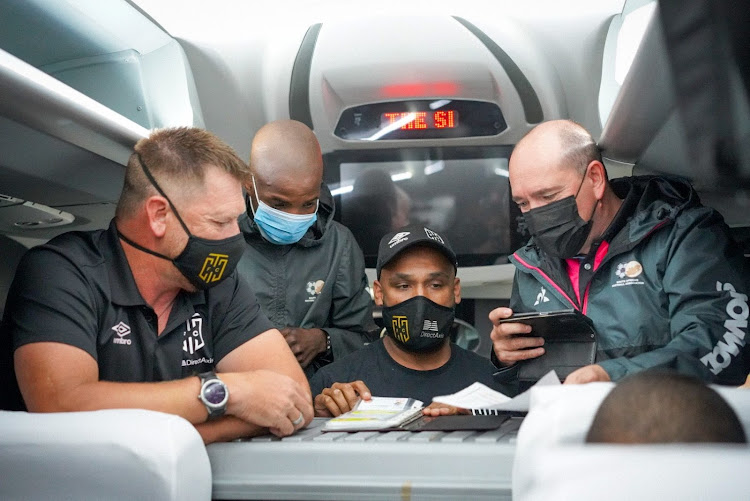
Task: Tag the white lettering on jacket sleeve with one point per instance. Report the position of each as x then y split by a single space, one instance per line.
734 337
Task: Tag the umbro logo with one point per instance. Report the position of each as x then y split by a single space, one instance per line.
122 329
430 325
399 237
541 297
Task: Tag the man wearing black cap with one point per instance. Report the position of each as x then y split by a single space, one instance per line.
418 290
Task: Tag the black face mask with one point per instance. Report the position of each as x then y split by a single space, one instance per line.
204 262
557 228
418 325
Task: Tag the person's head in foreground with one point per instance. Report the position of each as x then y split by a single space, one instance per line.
657 406
417 287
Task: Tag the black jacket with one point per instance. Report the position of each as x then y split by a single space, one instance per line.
318 282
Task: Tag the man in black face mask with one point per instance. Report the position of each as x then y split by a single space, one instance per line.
144 314
656 272
418 290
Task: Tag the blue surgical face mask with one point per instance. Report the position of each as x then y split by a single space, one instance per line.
279 227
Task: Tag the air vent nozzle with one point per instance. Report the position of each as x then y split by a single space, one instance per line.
18 214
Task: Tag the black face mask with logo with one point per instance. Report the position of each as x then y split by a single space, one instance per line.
205 263
557 228
418 325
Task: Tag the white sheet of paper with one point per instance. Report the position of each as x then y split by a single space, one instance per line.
479 396
388 404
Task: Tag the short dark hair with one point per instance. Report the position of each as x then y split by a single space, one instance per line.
658 406
175 157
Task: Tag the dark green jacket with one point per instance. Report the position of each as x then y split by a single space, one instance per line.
284 279
666 285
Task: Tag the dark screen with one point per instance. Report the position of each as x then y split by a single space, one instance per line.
466 197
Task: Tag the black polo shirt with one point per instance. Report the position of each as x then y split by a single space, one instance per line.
78 289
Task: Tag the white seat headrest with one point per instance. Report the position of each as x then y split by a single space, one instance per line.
553 462
108 454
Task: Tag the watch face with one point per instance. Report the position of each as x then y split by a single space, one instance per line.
215 393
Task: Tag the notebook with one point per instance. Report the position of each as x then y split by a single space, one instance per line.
379 413
405 414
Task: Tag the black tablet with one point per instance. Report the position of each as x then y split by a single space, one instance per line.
556 326
569 343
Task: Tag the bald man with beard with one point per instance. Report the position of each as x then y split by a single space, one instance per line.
306 269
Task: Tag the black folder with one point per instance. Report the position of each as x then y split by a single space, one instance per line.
459 422
456 423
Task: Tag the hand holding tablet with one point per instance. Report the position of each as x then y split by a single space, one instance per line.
569 342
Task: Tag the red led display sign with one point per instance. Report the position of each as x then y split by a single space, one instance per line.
415 120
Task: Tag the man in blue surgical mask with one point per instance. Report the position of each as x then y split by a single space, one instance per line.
305 268
657 272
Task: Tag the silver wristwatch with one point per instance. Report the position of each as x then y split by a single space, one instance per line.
214 394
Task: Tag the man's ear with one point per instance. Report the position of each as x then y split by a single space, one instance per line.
251 200
157 209
457 289
377 293
598 178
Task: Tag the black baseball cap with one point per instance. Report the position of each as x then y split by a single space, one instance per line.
393 243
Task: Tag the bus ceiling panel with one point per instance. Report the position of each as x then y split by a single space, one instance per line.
44 169
299 87
153 90
364 56
43 32
422 57
559 59
107 50
532 108
35 99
